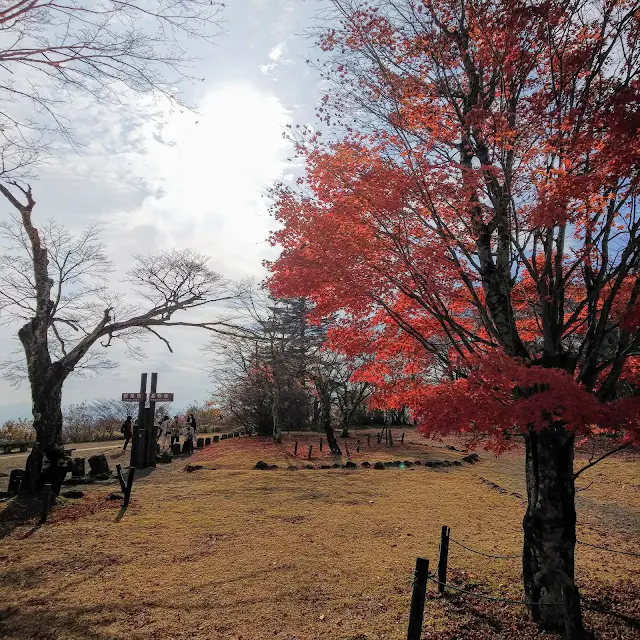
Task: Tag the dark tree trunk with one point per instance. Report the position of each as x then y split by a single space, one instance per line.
549 524
47 422
325 418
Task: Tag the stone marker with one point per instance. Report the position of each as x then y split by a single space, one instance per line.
14 480
98 465
216 438
378 465
200 443
77 467
261 465
223 436
207 442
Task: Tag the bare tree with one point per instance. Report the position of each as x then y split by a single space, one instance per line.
267 355
60 295
53 50
271 374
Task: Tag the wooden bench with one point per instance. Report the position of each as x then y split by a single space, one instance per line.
7 447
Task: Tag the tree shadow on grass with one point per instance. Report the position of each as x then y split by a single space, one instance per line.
18 512
81 622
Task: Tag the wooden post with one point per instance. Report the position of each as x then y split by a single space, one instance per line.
368 439
390 438
46 503
443 558
295 449
574 629
309 454
320 444
138 432
148 457
151 430
123 487
418 596
127 493
402 438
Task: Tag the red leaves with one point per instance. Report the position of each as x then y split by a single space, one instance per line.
478 193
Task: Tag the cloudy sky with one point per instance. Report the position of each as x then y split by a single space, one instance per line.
158 178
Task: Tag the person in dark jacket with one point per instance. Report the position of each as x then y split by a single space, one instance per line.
191 420
127 431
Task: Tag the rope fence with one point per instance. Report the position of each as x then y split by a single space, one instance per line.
570 606
486 555
623 616
519 555
595 546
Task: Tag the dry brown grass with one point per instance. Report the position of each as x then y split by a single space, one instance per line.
235 553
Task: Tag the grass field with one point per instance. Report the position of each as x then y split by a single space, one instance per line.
235 553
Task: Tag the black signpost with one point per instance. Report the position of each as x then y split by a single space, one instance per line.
145 433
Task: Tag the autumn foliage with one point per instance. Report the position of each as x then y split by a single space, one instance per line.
473 214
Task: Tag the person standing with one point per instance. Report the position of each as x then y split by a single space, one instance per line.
191 420
164 431
175 431
127 431
189 435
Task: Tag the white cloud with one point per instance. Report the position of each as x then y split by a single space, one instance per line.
205 172
277 51
275 54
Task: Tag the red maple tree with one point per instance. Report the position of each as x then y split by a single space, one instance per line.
474 223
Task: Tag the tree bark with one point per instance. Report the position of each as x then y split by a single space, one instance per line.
47 422
549 525
277 427
325 418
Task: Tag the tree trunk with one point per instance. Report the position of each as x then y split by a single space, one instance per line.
549 524
277 427
47 422
325 417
